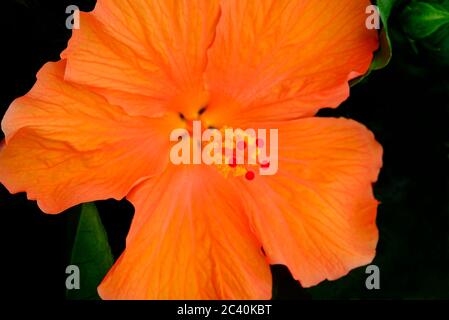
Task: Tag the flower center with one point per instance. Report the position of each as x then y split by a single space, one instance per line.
235 152
240 151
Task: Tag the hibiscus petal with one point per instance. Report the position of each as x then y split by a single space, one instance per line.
189 240
317 214
284 59
65 145
146 56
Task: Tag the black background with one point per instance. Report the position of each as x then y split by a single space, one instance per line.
406 105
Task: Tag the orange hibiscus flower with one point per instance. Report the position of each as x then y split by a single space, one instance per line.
96 125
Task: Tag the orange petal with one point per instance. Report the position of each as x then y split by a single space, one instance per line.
65 145
284 59
189 240
144 55
317 215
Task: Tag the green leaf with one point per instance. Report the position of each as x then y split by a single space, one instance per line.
386 8
422 19
426 26
90 252
383 55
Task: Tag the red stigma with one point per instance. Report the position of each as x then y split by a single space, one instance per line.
250 175
265 164
233 163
